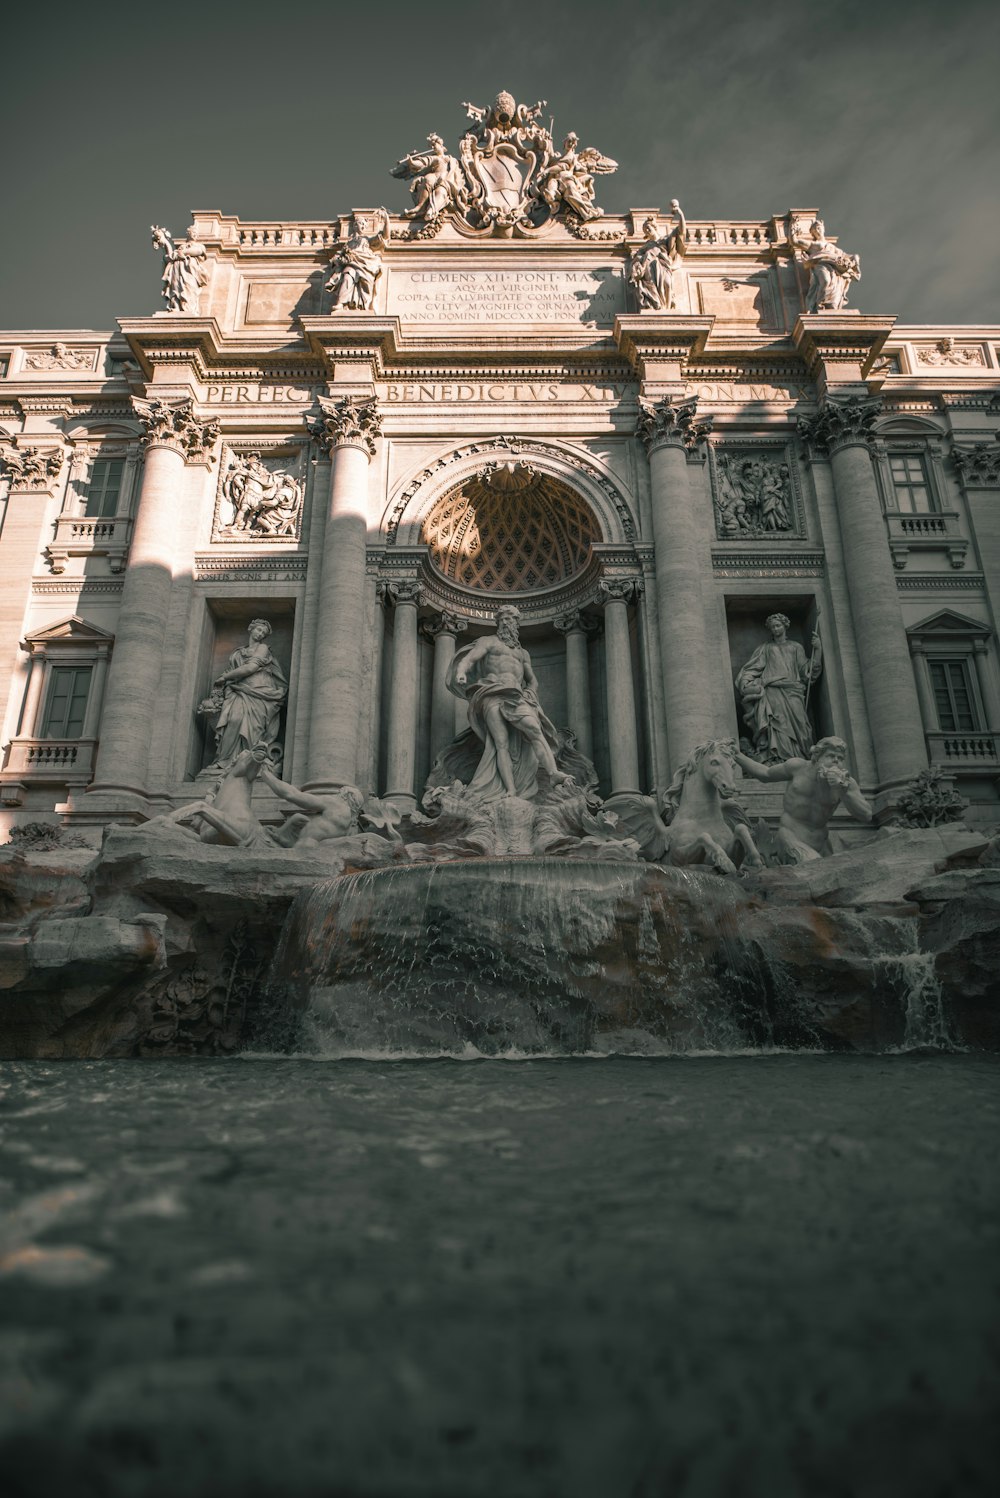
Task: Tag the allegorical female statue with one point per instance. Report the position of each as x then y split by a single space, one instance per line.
772 688
248 700
653 264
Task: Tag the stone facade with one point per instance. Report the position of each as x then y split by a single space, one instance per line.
373 431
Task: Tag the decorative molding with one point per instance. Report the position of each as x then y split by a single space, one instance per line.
841 421
978 466
32 469
60 356
77 586
754 564
174 424
258 568
940 582
348 422
668 423
526 447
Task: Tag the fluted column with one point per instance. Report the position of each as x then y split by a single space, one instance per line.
348 429
404 691
576 627
616 596
843 429
671 432
174 436
443 630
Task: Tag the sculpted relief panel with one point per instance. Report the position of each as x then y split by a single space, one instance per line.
755 492
259 498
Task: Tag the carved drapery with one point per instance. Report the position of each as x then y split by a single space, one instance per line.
669 423
174 424
349 421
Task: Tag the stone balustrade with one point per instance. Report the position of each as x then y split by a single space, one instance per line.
964 750
78 536
937 530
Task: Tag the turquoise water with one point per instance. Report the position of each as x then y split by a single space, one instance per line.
729 1275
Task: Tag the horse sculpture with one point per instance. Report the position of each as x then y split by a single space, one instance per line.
702 822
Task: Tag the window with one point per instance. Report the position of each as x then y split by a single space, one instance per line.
909 482
953 696
67 702
105 486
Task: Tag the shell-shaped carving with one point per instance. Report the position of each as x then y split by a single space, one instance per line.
510 541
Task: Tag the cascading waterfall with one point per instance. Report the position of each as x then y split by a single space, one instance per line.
530 956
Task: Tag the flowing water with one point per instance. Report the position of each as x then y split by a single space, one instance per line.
747 1275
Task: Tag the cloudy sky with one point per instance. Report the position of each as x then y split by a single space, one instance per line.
883 114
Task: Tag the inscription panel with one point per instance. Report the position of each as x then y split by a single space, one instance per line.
592 297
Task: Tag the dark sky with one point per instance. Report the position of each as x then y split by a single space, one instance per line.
884 114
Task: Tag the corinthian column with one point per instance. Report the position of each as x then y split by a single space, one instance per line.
671 433
174 436
347 429
576 627
442 629
616 597
843 429
401 753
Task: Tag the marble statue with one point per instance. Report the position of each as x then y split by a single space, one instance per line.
318 818
436 181
567 181
831 270
651 267
248 699
357 264
184 272
263 502
772 686
224 817
702 821
495 678
816 787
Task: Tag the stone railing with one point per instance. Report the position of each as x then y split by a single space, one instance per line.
964 750
936 530
82 536
61 760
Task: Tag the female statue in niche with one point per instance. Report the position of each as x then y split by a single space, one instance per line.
772 688
248 700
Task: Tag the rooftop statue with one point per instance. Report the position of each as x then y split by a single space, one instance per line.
816 787
653 265
831 270
508 174
184 272
357 263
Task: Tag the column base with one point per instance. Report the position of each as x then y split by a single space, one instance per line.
102 805
403 801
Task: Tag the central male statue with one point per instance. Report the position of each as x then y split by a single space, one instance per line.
494 676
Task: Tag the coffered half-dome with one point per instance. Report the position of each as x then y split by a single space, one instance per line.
510 529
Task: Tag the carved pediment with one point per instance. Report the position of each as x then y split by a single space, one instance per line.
71 631
948 622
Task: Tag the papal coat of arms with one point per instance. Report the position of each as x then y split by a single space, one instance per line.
508 175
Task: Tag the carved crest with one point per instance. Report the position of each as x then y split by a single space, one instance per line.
508 177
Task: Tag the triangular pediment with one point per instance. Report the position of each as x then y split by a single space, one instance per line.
71 631
948 622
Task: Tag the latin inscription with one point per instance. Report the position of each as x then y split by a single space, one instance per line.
485 296
258 393
726 390
453 392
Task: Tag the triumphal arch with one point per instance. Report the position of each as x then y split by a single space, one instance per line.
716 499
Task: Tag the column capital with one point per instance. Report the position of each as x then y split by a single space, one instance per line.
841 422
668 423
349 421
979 465
32 469
577 623
442 623
173 424
619 590
401 591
